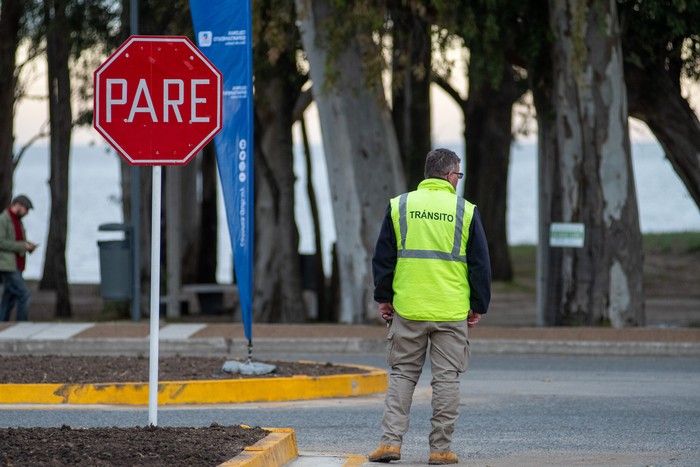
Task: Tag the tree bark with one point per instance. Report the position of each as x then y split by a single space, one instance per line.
145 179
654 95
189 220
361 151
60 114
591 175
277 291
488 136
208 238
11 12
411 90
277 285
324 310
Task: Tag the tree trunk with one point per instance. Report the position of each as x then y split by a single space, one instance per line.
146 174
277 285
11 12
540 78
488 138
591 175
324 310
208 238
411 90
190 213
277 292
60 114
361 151
654 96
144 223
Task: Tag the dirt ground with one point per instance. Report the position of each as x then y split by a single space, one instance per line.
28 369
151 446
138 446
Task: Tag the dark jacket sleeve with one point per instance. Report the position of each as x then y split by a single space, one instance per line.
384 261
479 266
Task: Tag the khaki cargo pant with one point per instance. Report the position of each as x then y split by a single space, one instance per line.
406 351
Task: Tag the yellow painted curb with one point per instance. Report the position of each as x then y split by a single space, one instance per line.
276 449
201 392
354 460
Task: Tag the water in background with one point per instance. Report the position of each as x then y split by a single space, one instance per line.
94 199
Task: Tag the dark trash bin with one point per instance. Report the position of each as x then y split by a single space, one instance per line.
115 264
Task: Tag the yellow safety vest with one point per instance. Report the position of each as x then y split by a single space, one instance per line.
432 228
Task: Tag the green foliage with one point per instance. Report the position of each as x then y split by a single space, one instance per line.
163 17
497 32
483 26
665 32
93 28
276 41
93 25
358 22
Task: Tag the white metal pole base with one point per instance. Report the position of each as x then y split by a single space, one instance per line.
155 297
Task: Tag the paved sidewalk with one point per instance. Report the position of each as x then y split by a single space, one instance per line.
128 338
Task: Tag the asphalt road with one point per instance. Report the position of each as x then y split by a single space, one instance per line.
516 410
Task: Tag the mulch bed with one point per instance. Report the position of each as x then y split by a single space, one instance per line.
27 369
147 446
137 446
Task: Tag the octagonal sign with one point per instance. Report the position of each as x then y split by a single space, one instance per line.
157 100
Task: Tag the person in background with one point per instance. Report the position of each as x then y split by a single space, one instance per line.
13 249
432 280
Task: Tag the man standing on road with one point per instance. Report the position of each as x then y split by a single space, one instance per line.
432 281
13 249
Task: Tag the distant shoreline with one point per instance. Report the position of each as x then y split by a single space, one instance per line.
95 199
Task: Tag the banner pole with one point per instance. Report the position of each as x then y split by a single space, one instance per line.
155 295
135 202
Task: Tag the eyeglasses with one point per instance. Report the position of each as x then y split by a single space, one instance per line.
458 174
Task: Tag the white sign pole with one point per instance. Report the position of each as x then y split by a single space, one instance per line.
155 297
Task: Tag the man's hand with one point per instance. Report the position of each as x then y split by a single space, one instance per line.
387 311
473 318
30 246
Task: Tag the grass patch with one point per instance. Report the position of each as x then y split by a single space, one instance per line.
524 257
676 243
524 261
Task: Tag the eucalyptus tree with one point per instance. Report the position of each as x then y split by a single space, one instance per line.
342 44
411 33
497 78
11 17
58 50
586 171
71 27
16 19
278 83
661 42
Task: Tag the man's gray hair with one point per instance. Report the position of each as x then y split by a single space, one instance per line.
439 162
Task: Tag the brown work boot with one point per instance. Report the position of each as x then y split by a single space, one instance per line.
385 453
443 458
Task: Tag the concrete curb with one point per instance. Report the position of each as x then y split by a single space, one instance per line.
230 391
591 348
274 450
324 346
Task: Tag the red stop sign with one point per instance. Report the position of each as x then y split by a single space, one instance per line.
157 100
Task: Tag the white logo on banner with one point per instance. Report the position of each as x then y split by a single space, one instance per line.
205 38
242 156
